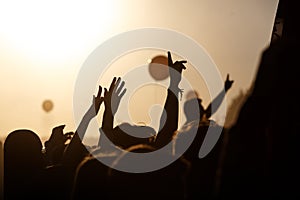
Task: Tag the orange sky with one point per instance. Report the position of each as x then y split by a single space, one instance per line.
43 44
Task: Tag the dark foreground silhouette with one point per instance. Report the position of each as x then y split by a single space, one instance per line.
259 160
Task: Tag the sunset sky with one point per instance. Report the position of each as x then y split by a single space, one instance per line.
43 45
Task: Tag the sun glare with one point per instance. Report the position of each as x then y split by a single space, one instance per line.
54 30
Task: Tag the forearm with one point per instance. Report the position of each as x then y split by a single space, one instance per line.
75 151
107 123
215 104
108 119
84 123
170 117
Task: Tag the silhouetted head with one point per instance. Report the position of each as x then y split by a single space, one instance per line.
23 159
198 130
90 178
23 147
193 109
129 135
164 183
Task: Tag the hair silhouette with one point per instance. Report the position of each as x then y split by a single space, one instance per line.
23 159
194 110
166 183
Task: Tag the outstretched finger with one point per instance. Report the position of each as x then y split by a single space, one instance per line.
170 62
115 87
99 92
120 87
112 85
179 66
227 78
118 81
96 103
105 92
122 94
182 61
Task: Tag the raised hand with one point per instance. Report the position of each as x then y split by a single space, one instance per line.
75 150
97 101
175 70
113 96
228 83
57 137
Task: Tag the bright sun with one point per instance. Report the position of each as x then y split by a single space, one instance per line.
54 30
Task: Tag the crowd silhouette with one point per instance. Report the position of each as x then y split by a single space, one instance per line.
255 158
66 169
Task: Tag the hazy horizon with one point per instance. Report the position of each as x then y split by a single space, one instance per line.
44 44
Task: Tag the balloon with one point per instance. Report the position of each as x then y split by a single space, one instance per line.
47 105
158 67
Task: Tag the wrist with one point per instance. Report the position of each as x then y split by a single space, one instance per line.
175 90
174 84
91 113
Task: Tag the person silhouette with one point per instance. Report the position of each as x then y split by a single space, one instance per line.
56 144
166 183
262 153
203 173
76 151
203 114
23 160
119 137
57 179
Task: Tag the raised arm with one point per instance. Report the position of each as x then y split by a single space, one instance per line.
169 118
209 111
112 98
54 143
90 114
76 151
